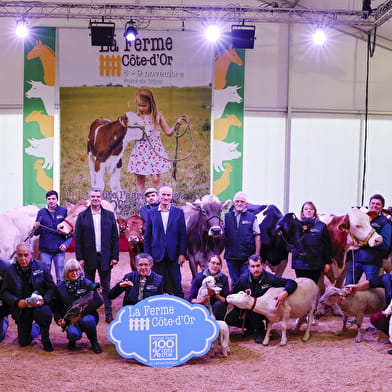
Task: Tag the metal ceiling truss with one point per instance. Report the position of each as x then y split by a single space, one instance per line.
229 13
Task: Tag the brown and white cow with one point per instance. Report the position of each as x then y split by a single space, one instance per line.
106 144
347 233
134 234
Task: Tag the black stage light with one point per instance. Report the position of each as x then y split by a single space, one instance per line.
243 37
102 33
130 32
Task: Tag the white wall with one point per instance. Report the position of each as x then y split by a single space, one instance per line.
303 122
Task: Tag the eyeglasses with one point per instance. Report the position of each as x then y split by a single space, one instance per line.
23 254
239 201
73 270
212 263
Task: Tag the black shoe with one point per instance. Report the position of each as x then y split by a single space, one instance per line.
47 346
259 336
108 319
72 345
389 352
96 347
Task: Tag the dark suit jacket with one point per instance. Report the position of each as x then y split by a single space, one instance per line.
157 243
85 239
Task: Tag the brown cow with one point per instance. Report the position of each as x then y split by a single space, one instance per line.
134 235
106 144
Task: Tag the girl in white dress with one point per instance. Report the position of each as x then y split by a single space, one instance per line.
149 156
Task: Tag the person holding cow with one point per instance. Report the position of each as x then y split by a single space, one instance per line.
366 259
139 284
218 301
152 200
258 281
311 255
166 241
52 244
242 237
28 289
97 244
149 156
72 288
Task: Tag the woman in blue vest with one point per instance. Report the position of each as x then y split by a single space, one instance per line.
311 255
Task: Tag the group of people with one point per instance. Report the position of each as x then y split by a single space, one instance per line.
29 293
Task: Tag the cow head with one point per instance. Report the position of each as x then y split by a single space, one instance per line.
289 228
359 228
67 226
209 209
242 299
134 230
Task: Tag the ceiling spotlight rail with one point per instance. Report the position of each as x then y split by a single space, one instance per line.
65 10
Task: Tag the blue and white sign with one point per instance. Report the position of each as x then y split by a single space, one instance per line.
163 331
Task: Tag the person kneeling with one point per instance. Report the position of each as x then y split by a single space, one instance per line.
76 303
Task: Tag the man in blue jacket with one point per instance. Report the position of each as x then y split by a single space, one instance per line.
52 244
139 284
152 200
242 237
165 240
368 260
97 245
28 289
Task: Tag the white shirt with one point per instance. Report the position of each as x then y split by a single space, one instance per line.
97 229
164 216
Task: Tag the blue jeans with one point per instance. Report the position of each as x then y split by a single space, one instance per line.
86 324
58 259
3 327
356 269
236 269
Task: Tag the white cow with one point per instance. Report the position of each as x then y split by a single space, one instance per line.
15 226
222 343
357 304
42 148
223 97
43 92
223 151
300 303
67 226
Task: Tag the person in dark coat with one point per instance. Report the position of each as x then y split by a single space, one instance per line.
97 245
4 308
52 244
28 289
312 254
139 284
152 200
258 281
165 240
217 300
75 287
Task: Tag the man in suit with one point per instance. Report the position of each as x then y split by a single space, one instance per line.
165 240
151 195
97 245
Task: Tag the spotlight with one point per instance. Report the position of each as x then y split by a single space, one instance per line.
212 33
319 37
130 32
243 36
102 33
21 29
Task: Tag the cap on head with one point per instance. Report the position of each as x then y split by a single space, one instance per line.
150 190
